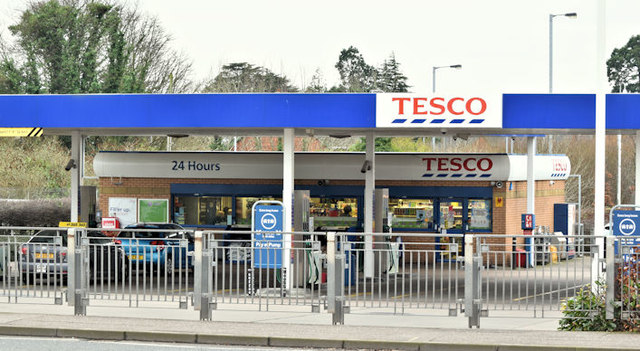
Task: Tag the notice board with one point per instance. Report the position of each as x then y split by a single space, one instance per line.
153 210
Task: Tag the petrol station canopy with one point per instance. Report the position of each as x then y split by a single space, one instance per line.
385 114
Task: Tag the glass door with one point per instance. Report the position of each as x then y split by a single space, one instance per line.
451 219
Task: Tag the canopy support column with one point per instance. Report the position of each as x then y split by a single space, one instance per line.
288 164
531 182
637 167
75 168
369 187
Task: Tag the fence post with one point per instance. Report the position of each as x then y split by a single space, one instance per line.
205 294
80 300
335 271
197 270
610 276
472 266
71 260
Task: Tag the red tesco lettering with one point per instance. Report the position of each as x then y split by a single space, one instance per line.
438 105
471 164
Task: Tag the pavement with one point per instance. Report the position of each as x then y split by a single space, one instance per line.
284 326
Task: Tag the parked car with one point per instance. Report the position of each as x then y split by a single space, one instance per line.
45 254
158 246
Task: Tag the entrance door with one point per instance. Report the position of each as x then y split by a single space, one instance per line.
451 219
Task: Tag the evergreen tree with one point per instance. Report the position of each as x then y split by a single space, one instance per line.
390 79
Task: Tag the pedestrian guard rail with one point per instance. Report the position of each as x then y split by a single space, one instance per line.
477 275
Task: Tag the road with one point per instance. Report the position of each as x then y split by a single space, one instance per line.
59 344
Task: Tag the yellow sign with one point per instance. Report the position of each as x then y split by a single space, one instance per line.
72 224
499 201
20 132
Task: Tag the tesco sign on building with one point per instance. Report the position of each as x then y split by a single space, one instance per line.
454 164
438 111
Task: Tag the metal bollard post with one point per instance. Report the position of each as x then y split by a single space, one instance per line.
610 275
338 313
80 301
331 272
197 270
71 259
472 265
205 297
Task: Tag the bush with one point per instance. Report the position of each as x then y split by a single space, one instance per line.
34 213
586 311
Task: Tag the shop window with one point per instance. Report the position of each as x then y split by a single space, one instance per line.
244 206
334 212
451 215
412 213
479 214
201 210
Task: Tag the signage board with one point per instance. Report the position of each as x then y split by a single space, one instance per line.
626 225
450 111
337 166
123 208
72 224
153 210
268 240
528 221
20 132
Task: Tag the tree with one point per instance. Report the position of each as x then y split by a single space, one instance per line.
317 84
85 46
247 78
390 79
355 74
622 67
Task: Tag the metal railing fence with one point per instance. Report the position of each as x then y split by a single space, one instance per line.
477 274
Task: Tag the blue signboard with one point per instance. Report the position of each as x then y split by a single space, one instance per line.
626 224
268 240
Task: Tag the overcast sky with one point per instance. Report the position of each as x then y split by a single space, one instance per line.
501 44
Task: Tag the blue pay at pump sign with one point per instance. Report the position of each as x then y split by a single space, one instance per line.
627 224
268 240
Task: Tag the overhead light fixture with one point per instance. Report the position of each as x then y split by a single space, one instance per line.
340 136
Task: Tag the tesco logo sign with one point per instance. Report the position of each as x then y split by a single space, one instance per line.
455 164
456 106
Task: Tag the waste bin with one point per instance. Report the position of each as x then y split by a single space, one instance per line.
520 258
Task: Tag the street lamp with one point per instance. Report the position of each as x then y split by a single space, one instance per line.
572 15
433 90
438 67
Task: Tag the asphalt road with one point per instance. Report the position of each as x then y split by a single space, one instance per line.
61 344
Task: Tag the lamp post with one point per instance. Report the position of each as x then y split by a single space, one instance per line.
439 67
433 90
572 15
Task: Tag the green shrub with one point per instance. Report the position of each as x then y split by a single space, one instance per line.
586 311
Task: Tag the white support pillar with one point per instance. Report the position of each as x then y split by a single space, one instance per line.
619 172
637 167
531 182
76 159
288 175
600 70
369 187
